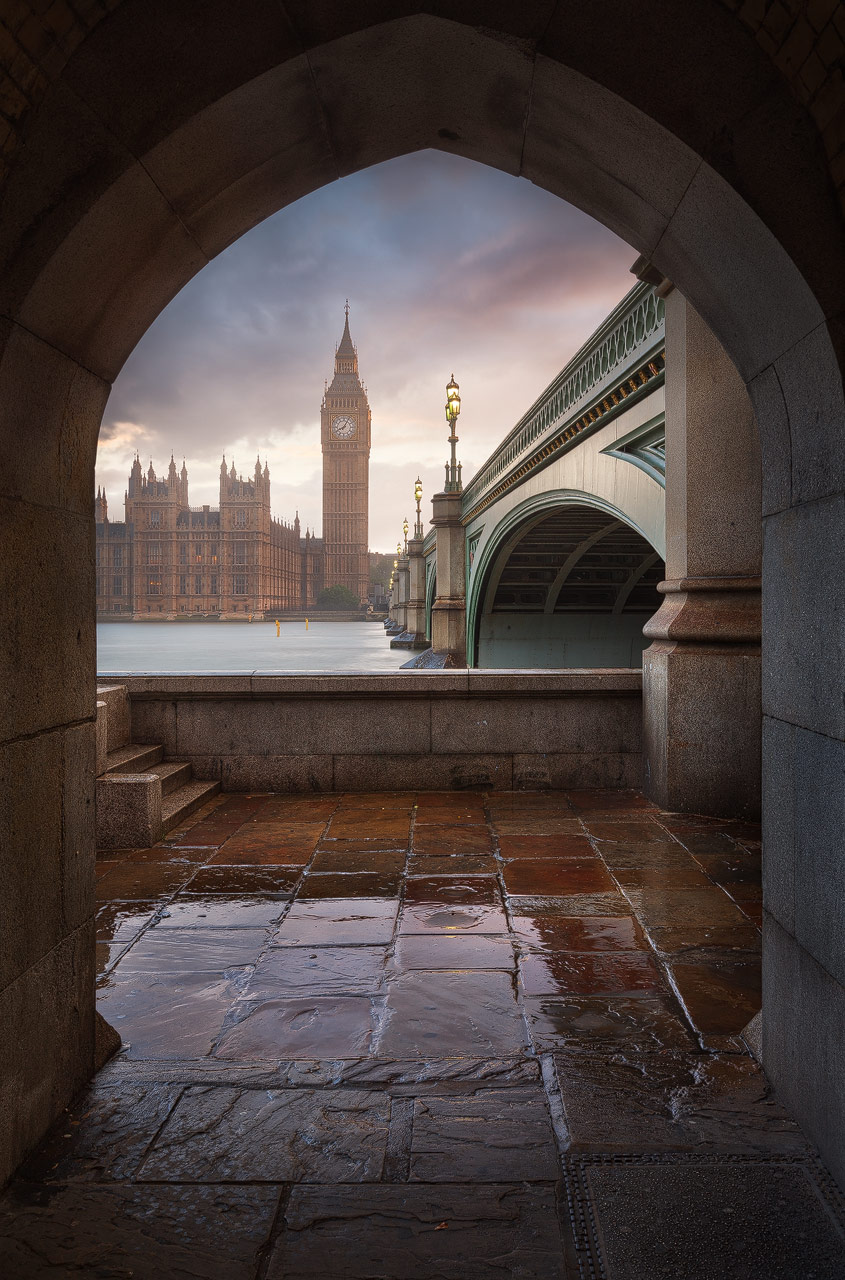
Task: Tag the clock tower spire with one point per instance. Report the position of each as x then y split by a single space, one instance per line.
345 436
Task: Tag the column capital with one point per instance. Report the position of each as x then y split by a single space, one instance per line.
708 611
445 509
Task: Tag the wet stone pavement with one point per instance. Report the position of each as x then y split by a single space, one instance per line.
429 1035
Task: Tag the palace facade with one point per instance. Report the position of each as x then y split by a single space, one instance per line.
167 558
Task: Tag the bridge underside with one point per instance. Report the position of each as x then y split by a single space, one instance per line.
573 589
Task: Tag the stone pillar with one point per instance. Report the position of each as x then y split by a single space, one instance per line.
402 572
448 615
701 674
415 619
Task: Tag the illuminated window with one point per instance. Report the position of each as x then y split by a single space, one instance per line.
154 586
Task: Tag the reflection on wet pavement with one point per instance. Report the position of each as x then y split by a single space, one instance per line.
367 1035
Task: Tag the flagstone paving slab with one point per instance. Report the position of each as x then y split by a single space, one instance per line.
318 971
451 864
599 973
338 922
572 1021
349 884
242 880
671 1101
314 1027
146 1232
453 951
198 950
271 1135
167 1015
330 860
222 912
471 1012
431 917
484 1138
419 1232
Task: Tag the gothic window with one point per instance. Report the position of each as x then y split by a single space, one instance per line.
117 587
198 585
240 553
183 585
154 586
214 586
239 588
155 519
240 519
183 553
154 553
213 550
197 553
117 557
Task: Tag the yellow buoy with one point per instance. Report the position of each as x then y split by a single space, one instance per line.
278 629
306 624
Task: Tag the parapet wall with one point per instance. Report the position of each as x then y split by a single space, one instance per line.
431 730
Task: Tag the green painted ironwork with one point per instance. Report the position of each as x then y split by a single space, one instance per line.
645 447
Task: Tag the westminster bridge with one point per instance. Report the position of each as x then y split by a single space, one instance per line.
616 527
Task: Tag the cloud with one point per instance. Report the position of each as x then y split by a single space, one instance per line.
449 267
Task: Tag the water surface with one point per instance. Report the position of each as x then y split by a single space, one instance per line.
182 648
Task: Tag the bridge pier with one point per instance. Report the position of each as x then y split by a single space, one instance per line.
701 674
448 614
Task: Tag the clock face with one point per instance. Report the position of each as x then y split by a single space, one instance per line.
343 428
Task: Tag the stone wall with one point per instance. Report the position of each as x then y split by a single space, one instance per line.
424 731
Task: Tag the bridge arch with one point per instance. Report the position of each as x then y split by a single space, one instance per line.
147 144
586 525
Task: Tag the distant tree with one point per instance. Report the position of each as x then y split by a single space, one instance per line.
338 598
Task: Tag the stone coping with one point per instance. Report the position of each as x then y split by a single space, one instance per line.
619 682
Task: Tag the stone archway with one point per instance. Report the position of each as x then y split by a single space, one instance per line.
168 133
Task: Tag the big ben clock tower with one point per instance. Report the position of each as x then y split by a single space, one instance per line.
345 434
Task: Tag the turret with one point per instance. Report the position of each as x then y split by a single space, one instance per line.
101 506
151 475
135 478
171 476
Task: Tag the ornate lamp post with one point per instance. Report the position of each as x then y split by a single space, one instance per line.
405 528
418 492
453 408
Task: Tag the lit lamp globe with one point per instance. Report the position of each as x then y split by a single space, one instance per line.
453 400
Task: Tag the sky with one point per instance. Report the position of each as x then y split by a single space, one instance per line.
449 267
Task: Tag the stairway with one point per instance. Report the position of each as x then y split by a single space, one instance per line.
140 795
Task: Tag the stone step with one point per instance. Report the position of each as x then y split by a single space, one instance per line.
181 803
173 774
134 758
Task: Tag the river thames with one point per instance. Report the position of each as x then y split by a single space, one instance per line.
181 648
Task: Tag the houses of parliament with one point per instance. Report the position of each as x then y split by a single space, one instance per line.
167 558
